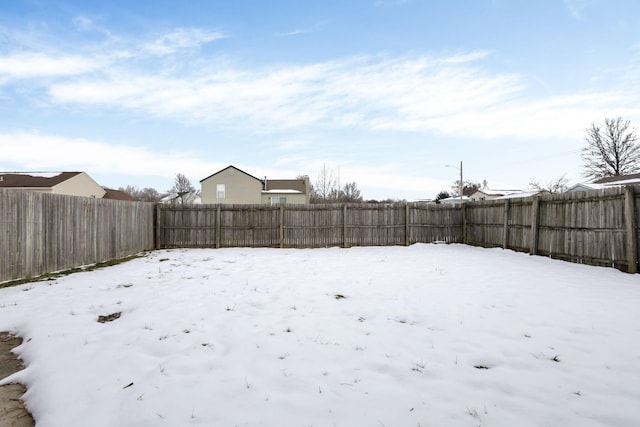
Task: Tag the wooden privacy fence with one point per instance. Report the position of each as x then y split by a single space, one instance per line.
597 227
305 226
41 233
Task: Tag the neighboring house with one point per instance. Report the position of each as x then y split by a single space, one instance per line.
118 195
583 187
522 194
69 183
173 198
607 182
455 200
234 186
487 194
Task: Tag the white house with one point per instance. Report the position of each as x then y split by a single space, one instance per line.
607 182
488 194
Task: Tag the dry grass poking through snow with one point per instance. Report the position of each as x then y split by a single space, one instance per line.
400 336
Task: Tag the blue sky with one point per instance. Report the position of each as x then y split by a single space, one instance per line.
388 92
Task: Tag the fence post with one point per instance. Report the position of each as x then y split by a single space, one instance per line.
535 212
281 226
407 230
464 222
630 229
158 228
505 228
218 227
344 226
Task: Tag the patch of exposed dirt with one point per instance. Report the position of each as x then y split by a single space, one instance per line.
109 317
12 410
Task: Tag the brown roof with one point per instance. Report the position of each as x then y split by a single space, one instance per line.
286 184
608 179
9 180
230 167
117 195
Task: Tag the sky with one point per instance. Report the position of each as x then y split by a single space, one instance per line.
390 94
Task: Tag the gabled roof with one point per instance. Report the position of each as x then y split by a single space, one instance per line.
231 167
34 179
490 192
117 195
297 185
606 182
615 179
521 194
581 186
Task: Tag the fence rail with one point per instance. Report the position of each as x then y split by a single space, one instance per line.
305 226
41 233
598 228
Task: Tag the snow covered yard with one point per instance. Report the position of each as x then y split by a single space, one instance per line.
427 335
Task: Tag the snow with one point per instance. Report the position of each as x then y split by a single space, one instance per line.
430 335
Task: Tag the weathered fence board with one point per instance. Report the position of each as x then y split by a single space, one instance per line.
305 226
41 233
582 227
597 228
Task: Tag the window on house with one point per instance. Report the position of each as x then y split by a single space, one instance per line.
278 200
220 191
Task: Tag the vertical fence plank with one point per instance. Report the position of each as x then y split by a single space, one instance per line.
535 211
281 226
41 233
344 227
630 229
407 229
505 227
218 227
464 222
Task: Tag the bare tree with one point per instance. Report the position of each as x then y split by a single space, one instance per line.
555 186
468 187
149 194
146 194
350 193
611 150
184 191
326 187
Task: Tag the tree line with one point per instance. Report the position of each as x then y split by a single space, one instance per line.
326 189
611 149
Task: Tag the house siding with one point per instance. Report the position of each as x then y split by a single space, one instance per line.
292 198
79 185
240 188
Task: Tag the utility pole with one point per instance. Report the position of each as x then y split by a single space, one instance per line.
461 185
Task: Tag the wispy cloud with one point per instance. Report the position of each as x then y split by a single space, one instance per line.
454 94
450 95
577 8
36 151
181 38
82 23
29 65
302 30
